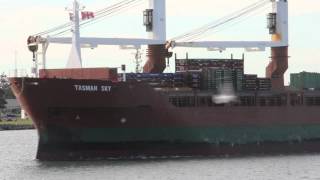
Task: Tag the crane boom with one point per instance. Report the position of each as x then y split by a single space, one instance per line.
94 42
222 45
278 28
155 21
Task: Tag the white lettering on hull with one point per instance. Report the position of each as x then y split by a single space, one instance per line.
106 88
92 88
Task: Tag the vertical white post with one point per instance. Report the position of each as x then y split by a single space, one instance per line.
280 7
15 63
159 19
36 66
44 53
124 77
23 114
75 54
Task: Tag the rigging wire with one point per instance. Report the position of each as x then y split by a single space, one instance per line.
217 21
113 6
104 15
126 4
53 29
234 23
96 20
222 21
220 24
99 14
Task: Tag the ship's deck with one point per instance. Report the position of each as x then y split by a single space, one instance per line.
190 98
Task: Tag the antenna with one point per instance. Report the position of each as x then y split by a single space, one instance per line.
15 63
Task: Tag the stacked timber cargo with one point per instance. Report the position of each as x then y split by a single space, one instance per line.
224 79
157 80
264 84
239 76
178 80
305 80
215 73
253 83
218 77
193 79
208 81
187 64
161 80
206 74
189 79
250 82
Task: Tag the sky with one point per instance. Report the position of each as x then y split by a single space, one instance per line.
19 19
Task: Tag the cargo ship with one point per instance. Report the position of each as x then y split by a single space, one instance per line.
206 107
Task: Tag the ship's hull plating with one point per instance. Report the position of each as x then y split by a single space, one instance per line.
81 119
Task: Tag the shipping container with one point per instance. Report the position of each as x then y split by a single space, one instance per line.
110 74
305 80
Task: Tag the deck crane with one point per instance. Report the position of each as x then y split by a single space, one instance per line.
278 29
158 45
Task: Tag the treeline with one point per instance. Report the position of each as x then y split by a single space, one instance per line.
8 94
5 87
5 91
3 101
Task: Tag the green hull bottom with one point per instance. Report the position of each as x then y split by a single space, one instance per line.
120 143
213 135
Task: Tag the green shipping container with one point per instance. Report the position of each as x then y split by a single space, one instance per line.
305 80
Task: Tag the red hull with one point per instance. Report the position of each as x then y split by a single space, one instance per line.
63 104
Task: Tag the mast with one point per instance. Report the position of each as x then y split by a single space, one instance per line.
156 27
280 7
75 54
158 31
279 55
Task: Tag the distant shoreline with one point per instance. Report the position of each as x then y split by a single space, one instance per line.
15 127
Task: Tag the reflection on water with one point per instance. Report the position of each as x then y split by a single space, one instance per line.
18 149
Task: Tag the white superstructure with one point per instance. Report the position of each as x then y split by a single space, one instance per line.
75 54
157 34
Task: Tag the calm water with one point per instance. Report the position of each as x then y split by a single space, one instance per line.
18 148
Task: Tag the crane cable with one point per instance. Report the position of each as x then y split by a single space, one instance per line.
99 14
199 31
99 18
231 24
102 15
216 22
232 19
93 21
221 21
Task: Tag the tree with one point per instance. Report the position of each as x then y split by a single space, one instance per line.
3 102
5 86
2 99
4 82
